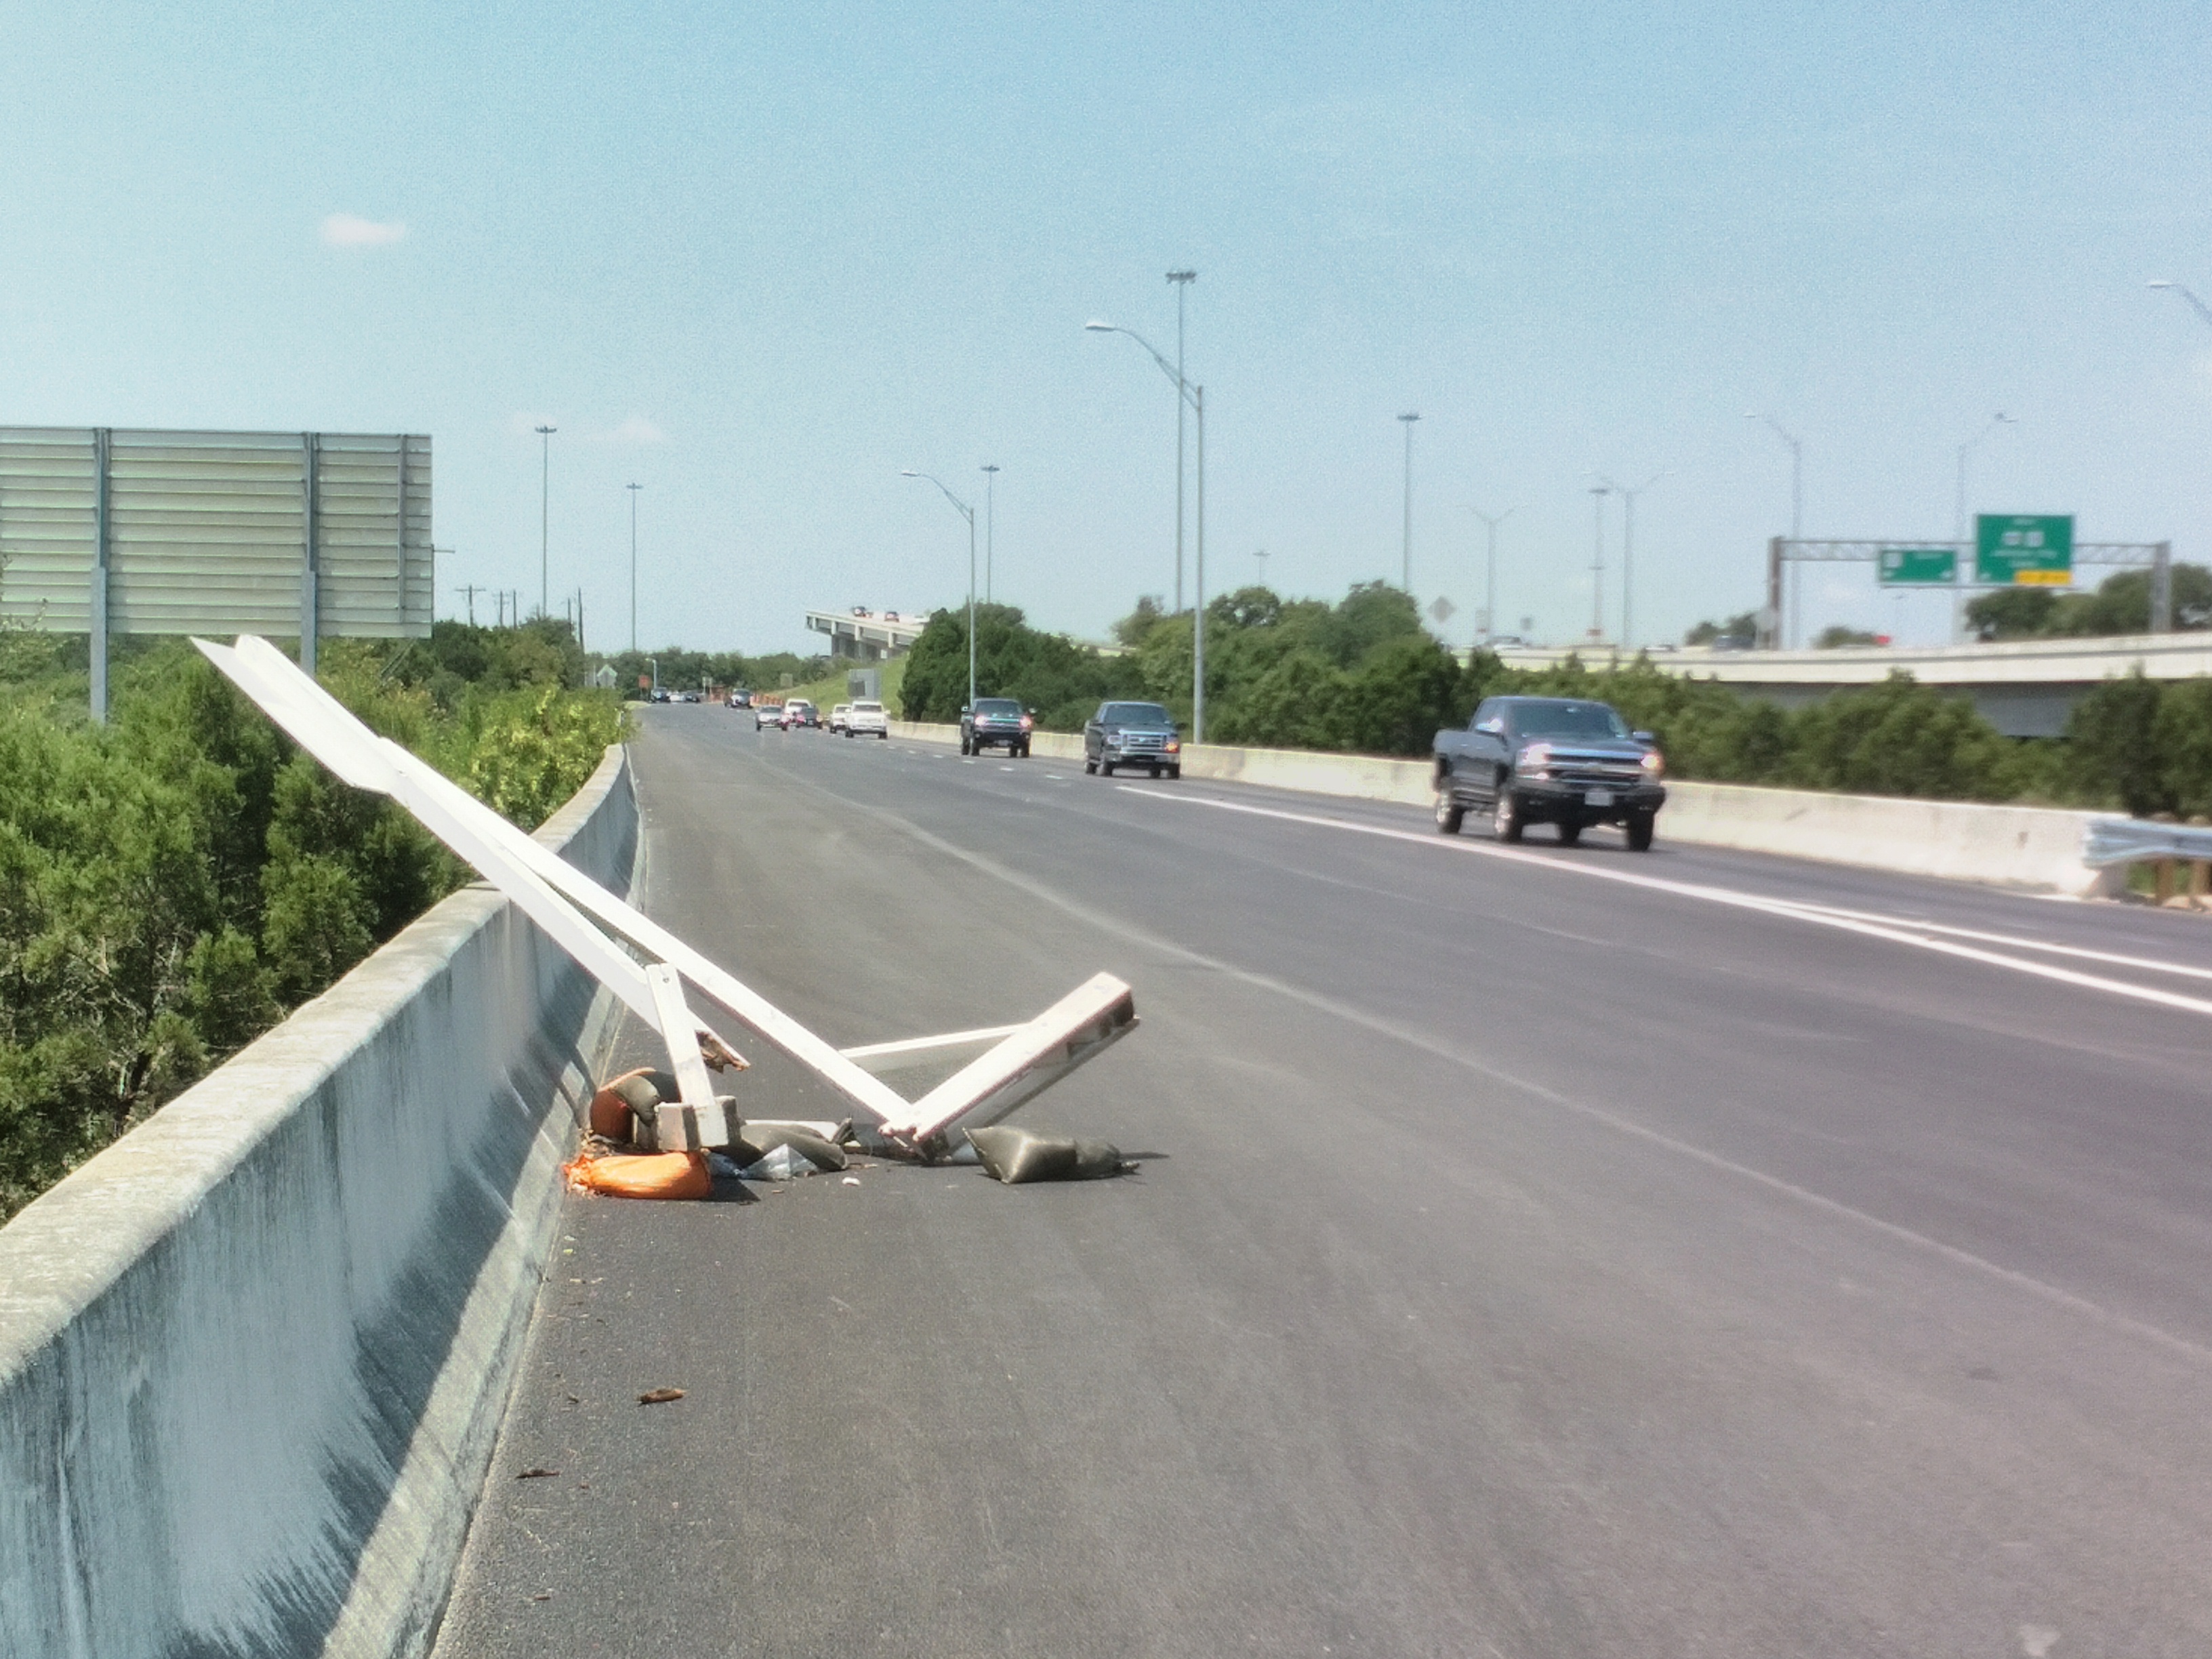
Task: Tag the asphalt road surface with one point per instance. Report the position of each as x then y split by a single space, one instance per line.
1534 1252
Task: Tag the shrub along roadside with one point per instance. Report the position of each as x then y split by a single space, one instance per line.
1363 675
170 883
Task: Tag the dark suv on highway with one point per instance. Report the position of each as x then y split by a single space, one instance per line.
1566 761
1132 734
996 722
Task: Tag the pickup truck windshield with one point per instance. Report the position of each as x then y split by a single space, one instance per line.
1566 720
997 705
1133 713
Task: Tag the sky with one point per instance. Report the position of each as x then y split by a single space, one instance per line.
759 259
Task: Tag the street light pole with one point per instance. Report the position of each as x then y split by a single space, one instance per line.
1195 396
1797 505
1959 520
1406 556
633 489
2195 304
1183 280
1597 564
990 526
545 497
1628 544
969 514
1490 567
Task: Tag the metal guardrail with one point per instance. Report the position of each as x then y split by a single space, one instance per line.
2137 840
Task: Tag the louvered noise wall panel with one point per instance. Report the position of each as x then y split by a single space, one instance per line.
207 531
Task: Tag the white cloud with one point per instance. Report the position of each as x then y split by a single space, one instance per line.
635 430
351 230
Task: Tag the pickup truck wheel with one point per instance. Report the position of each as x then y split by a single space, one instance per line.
1154 773
1090 768
1505 820
1106 767
1449 814
1175 771
1639 832
1570 834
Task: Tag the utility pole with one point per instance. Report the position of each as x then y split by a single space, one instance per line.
990 511
1261 554
1406 573
1598 493
545 497
1183 280
633 489
472 590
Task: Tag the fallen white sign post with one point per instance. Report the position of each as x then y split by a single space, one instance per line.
1020 1061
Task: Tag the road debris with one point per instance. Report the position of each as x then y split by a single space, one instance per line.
660 1396
536 1474
1016 1156
640 1175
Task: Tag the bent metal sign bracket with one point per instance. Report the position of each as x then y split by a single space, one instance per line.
1017 1063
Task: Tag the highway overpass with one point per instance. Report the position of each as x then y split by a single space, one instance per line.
868 636
2025 688
1534 1252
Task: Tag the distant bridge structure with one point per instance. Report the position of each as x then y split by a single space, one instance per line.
2025 688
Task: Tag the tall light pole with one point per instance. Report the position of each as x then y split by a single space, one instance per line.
1958 519
1405 554
1183 280
1628 544
1959 509
633 489
1490 567
1797 505
990 523
1597 564
2197 305
1195 396
969 514
545 496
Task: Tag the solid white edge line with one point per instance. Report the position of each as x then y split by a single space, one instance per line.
1785 907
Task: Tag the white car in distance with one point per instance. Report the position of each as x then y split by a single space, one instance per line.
768 713
838 716
865 718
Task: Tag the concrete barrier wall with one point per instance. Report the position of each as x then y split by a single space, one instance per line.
253 1356
2020 846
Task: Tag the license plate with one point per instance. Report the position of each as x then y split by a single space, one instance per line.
1598 797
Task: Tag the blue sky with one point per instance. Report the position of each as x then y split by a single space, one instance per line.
760 259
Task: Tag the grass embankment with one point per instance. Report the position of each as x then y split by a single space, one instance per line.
829 691
174 882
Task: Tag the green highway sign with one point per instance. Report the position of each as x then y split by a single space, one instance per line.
1905 565
2013 551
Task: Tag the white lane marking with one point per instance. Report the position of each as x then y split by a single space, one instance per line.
1844 921
1006 768
1115 926
2147 964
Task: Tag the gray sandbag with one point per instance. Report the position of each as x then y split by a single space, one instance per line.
1015 1156
755 1141
643 1090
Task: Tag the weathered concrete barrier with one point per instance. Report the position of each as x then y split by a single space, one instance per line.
2016 846
253 1356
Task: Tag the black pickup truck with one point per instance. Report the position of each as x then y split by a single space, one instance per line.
1549 760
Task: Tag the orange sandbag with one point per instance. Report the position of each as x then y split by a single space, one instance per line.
643 1175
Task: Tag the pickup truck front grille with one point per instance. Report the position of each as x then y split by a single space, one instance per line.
1570 771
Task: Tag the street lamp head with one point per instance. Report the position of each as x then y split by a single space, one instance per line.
2159 281
987 466
909 472
1409 417
1100 325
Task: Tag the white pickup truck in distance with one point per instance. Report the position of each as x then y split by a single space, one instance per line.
865 718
